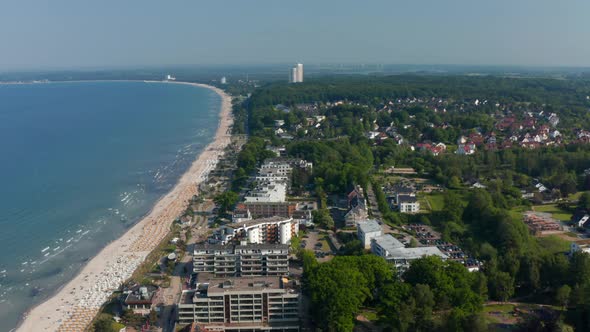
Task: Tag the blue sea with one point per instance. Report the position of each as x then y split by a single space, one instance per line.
80 163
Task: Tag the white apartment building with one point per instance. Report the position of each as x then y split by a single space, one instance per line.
260 231
241 260
408 204
267 191
368 230
242 304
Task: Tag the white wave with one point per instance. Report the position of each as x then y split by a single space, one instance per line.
125 197
45 249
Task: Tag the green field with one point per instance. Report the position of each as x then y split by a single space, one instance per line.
500 316
503 308
516 212
436 201
576 196
554 244
557 213
370 315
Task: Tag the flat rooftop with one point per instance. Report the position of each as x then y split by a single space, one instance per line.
235 247
407 199
388 242
255 222
396 250
415 253
369 226
219 286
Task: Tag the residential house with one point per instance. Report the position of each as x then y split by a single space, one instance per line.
408 204
141 299
580 219
466 149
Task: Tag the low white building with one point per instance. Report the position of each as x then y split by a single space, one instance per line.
394 251
368 230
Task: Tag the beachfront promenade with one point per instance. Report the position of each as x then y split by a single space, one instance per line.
74 306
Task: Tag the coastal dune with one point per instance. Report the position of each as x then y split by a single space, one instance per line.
74 306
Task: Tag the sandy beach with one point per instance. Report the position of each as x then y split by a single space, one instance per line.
74 306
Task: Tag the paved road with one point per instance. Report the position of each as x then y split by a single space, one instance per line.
172 294
374 207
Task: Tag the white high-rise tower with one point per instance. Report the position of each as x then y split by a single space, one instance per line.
299 72
296 74
293 75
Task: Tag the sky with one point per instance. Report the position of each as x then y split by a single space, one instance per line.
118 33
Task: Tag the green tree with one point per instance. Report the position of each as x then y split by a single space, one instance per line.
584 201
562 295
337 295
323 219
424 300
579 268
502 286
453 206
226 201
104 323
454 182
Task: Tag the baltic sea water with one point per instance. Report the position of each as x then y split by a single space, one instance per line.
80 163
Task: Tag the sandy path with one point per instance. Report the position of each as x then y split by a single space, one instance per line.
74 306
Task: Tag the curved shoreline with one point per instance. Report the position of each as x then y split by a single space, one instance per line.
73 306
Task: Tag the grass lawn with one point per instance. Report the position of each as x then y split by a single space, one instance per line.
554 244
436 201
516 212
369 315
500 315
325 244
557 213
424 206
576 196
504 308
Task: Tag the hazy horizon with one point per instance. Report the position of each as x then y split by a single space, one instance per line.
68 34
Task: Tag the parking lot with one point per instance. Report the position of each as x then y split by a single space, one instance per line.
316 242
428 237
